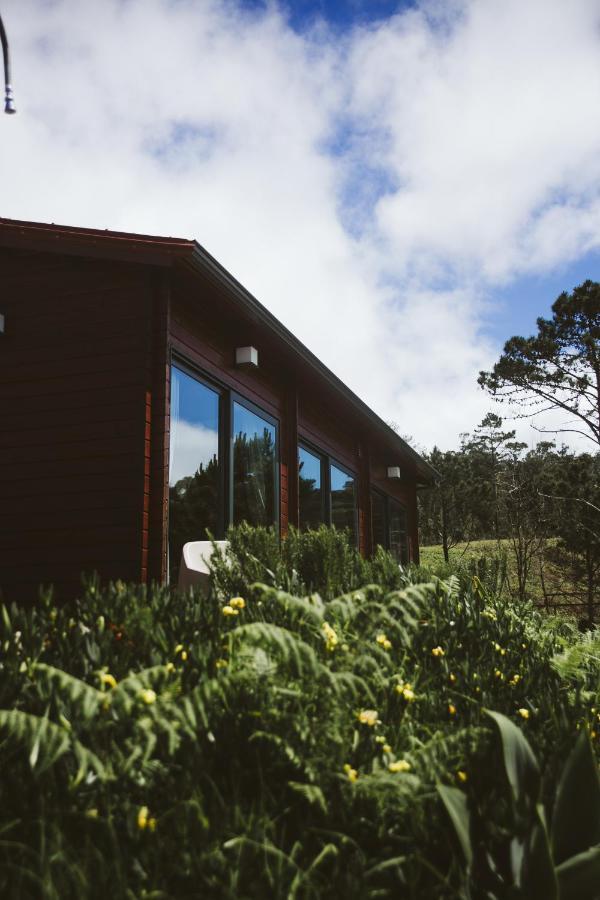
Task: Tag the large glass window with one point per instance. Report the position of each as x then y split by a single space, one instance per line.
194 474
378 520
343 500
310 490
254 467
398 532
389 526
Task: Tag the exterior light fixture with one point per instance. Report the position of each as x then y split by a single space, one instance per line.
246 356
9 103
393 472
1 323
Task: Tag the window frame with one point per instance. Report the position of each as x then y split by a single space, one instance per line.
227 397
326 461
388 502
234 397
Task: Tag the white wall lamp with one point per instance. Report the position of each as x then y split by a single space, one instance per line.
246 356
393 472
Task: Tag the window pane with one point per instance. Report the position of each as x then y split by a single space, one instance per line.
310 490
193 465
254 460
378 520
398 533
343 502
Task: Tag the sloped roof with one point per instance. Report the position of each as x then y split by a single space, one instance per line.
168 251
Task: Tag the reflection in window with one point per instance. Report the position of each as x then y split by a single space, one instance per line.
193 465
343 501
398 533
254 468
378 520
310 490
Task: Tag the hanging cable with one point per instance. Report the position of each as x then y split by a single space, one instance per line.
9 103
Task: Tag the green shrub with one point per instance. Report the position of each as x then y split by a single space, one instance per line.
155 744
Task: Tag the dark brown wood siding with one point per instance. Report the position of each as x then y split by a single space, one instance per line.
75 369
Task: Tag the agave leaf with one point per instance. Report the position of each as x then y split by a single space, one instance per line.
576 816
521 766
455 803
579 876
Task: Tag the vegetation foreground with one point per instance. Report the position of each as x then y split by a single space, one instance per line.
425 741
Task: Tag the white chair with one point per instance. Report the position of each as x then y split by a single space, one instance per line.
194 570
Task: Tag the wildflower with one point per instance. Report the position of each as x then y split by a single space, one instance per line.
384 641
400 765
237 602
107 679
524 713
515 680
221 664
524 646
170 667
462 776
184 655
489 614
368 717
451 709
405 691
178 649
230 611
387 748
148 696
499 674
92 813
144 819
380 739
475 676
350 772
452 678
438 651
330 635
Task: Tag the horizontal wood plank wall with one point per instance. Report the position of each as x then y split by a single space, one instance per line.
72 429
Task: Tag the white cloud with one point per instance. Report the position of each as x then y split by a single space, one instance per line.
371 190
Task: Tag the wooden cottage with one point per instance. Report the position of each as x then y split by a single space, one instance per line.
146 396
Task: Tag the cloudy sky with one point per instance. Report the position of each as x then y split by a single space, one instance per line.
405 185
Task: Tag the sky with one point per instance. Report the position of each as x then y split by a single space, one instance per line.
404 184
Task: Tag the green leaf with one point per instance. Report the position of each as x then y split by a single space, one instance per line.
521 766
576 816
579 877
455 803
538 879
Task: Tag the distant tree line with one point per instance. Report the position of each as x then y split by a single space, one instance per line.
545 502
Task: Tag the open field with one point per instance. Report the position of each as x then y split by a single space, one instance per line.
552 582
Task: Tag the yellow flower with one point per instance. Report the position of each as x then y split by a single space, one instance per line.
452 678
368 717
401 765
380 739
230 611
462 776
451 709
178 649
330 635
142 818
387 645
350 772
515 679
499 674
151 824
237 602
405 691
221 664
170 667
499 649
387 748
489 614
148 696
524 713
184 655
383 641
438 651
107 679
